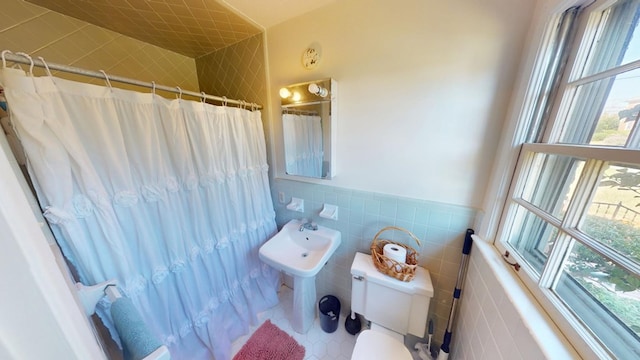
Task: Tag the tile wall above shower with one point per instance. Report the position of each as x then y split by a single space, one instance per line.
440 228
237 71
64 40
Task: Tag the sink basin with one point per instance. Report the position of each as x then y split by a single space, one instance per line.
300 253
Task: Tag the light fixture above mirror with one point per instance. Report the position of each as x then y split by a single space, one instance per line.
318 90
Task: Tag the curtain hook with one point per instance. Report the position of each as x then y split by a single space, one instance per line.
202 99
4 60
153 87
179 92
224 101
30 61
46 66
106 78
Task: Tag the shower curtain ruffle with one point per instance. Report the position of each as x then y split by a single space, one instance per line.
169 197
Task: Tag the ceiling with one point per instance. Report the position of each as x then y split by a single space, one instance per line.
267 13
189 27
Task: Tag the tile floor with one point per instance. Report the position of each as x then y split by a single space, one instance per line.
319 345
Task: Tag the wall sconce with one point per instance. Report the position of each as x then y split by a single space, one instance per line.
318 90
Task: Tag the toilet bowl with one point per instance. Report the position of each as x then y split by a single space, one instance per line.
373 344
395 309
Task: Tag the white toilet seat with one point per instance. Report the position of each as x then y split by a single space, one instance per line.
374 345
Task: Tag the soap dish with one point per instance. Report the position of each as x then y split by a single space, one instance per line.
329 212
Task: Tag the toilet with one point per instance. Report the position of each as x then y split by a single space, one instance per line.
395 309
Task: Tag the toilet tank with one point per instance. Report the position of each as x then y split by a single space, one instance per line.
397 305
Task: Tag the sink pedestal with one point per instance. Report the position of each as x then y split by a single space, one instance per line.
304 303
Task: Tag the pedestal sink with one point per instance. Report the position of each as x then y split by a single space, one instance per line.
301 252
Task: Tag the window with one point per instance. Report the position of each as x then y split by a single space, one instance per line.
572 217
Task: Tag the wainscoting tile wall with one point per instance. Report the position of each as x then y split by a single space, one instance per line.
440 228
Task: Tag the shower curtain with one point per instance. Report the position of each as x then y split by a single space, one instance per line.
169 197
303 144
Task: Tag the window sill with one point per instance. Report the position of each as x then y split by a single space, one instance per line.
551 341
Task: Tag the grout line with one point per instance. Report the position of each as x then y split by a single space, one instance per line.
25 21
120 60
58 39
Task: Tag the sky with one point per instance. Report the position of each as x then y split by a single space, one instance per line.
626 90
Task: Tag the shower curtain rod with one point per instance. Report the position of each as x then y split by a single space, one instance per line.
25 59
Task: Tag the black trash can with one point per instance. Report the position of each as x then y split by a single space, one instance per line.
329 307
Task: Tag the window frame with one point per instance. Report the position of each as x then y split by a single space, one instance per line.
541 284
500 214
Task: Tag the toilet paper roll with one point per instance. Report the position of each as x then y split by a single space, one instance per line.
395 252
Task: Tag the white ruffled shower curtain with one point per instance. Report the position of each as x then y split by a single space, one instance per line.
303 144
169 197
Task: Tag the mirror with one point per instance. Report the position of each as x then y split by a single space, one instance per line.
308 128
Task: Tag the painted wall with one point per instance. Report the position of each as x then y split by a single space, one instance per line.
423 89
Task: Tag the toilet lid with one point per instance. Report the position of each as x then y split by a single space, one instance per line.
375 345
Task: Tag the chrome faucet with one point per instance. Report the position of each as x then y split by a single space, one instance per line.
309 225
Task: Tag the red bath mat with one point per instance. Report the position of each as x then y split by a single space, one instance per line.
269 342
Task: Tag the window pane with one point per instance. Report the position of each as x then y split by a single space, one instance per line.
617 37
605 297
597 105
550 182
603 112
613 216
532 237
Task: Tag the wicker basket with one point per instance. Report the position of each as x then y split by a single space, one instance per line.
390 267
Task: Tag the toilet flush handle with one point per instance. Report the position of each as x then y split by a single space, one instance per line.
359 278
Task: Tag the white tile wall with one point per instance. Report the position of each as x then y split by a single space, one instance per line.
488 325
